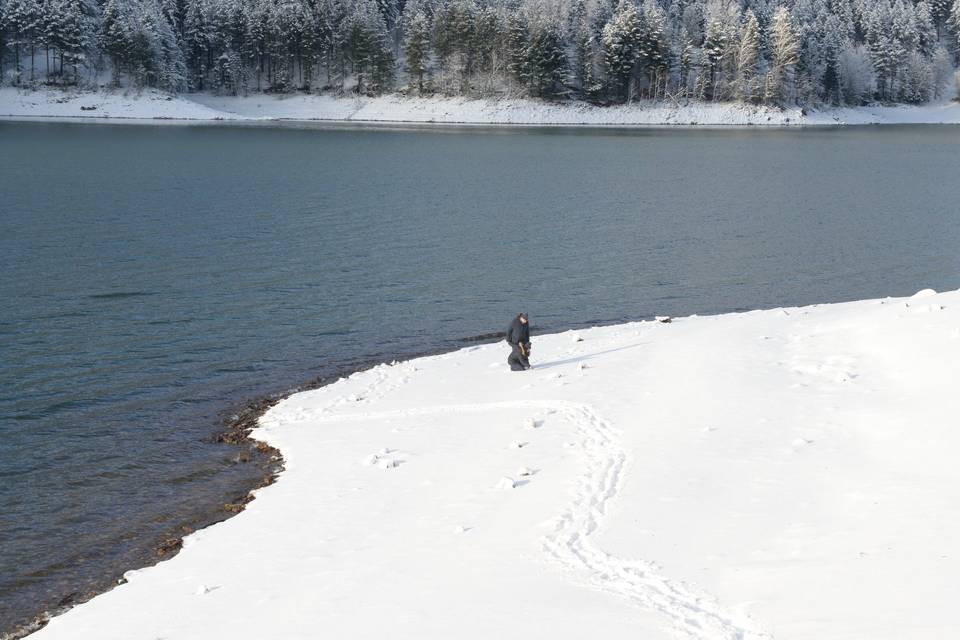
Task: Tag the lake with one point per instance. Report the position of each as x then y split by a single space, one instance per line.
155 277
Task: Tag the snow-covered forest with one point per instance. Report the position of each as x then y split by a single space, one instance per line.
805 52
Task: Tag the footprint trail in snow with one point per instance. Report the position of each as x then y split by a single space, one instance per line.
691 614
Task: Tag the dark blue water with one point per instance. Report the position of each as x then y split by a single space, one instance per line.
155 276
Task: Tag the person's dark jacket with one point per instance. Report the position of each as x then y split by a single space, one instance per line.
518 332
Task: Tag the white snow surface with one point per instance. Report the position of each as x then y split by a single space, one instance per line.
787 473
154 105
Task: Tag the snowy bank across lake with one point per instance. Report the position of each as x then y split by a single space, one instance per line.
148 105
788 473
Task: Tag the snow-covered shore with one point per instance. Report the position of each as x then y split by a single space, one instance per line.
787 473
152 105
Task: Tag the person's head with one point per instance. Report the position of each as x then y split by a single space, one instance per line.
523 318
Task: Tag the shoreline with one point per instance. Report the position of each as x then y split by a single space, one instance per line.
393 111
234 431
439 413
235 428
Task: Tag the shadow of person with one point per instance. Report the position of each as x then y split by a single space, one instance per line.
585 357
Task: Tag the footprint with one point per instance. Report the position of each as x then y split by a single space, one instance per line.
203 589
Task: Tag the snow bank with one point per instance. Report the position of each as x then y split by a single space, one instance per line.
788 474
145 105
16 104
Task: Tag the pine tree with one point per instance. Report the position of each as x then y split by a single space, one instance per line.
22 21
857 79
68 33
416 46
368 47
927 38
518 37
114 38
654 52
622 38
954 21
488 33
3 38
461 27
583 55
546 62
886 48
783 56
715 48
331 38
940 14
942 68
196 44
748 57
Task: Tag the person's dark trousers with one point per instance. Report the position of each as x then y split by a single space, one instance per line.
517 361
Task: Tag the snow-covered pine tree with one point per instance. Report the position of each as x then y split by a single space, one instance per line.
331 39
954 23
171 69
622 39
927 39
141 42
783 56
584 74
715 48
368 47
454 44
857 78
940 14
581 42
461 26
416 45
942 68
196 43
546 65
748 59
68 33
916 83
3 39
22 20
488 33
518 37
114 37
685 54
885 47
654 54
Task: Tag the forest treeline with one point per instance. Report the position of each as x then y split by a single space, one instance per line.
605 51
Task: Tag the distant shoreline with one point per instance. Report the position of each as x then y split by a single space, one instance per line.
154 107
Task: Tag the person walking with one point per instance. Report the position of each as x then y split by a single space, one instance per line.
518 337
